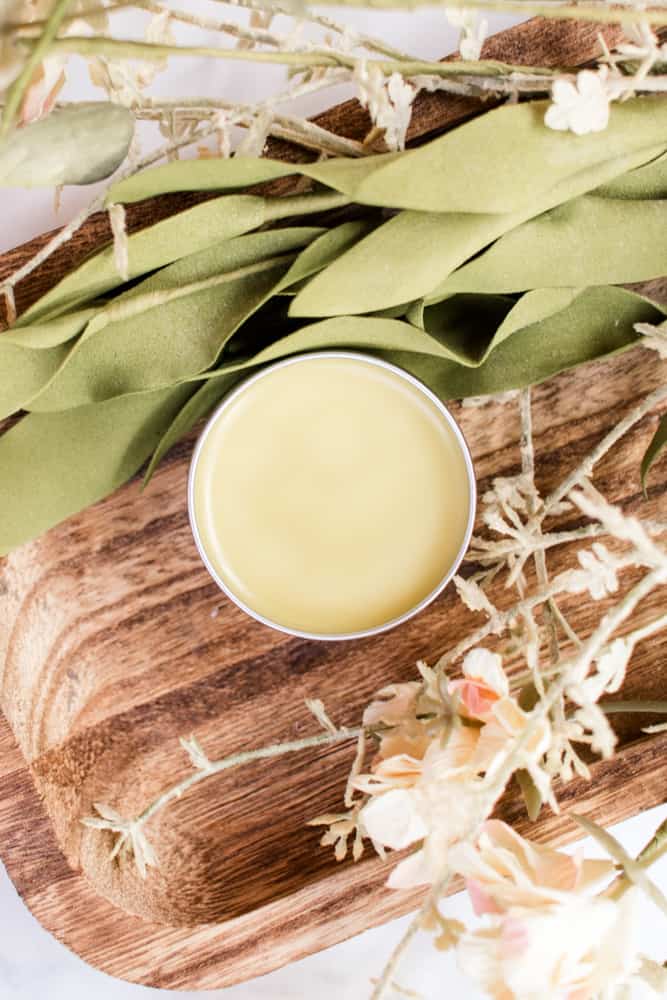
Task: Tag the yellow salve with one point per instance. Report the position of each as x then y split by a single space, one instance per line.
330 495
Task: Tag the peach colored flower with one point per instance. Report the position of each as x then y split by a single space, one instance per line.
484 683
504 870
424 783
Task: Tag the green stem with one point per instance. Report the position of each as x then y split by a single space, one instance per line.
245 757
618 707
38 51
119 48
652 852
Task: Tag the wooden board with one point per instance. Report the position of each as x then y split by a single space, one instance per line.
115 642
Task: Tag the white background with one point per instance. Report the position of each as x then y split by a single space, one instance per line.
32 964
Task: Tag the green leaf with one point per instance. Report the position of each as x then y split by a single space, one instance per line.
51 334
465 324
597 322
225 174
77 145
24 372
648 181
30 357
175 323
412 254
490 163
588 241
448 174
323 251
198 406
471 326
149 249
53 465
657 445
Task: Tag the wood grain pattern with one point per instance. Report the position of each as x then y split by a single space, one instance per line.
115 642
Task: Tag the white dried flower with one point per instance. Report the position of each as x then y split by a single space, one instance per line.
473 31
389 102
598 573
582 948
582 107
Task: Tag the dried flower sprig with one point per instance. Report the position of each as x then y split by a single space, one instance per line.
130 836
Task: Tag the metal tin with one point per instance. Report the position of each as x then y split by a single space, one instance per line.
472 493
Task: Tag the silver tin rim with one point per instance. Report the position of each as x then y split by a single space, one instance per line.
472 495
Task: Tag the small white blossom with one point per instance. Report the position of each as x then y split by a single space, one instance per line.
389 102
582 107
597 574
473 31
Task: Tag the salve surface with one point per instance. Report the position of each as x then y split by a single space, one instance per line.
331 495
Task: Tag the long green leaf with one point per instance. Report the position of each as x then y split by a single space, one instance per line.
51 334
648 181
24 372
447 174
175 323
149 249
597 322
53 465
588 241
411 255
77 145
171 239
654 450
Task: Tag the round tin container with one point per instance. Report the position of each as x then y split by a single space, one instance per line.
448 571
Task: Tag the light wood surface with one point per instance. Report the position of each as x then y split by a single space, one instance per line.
114 642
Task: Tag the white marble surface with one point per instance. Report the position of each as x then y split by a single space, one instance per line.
33 965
